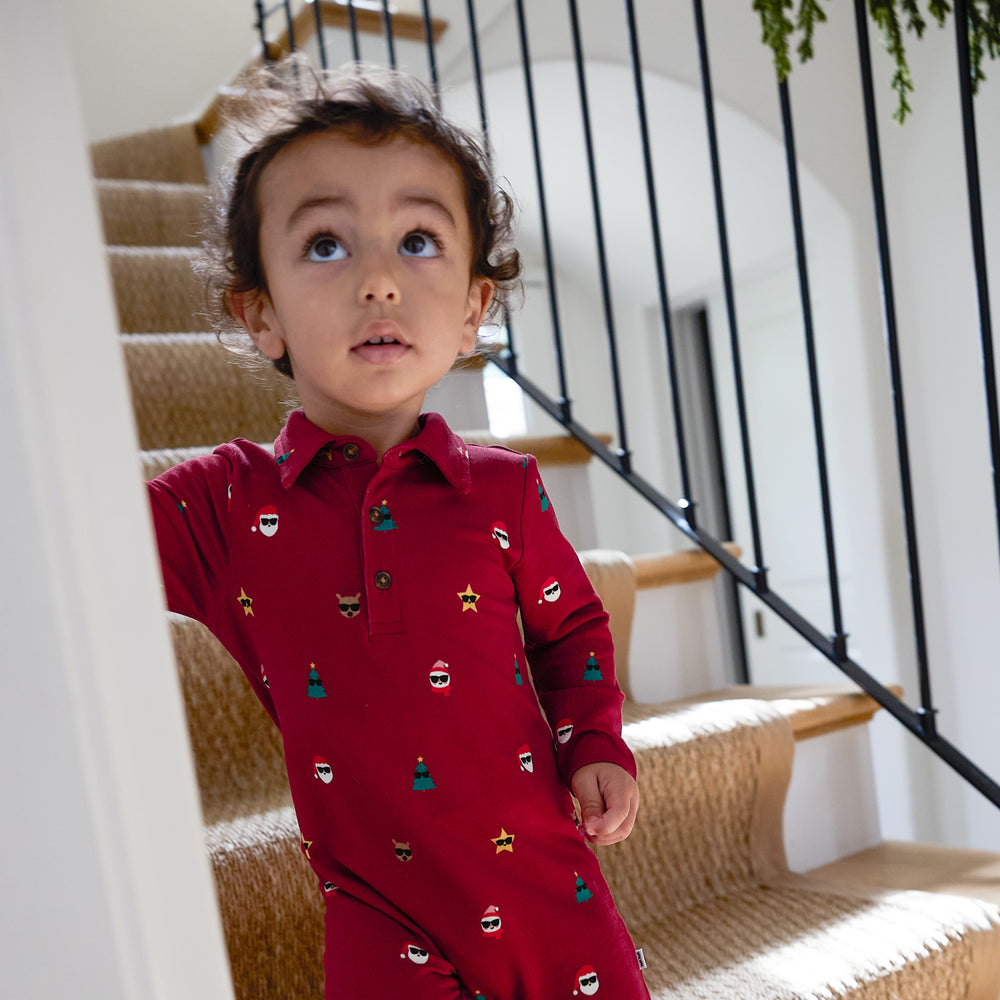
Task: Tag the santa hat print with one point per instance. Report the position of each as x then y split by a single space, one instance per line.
586 981
492 927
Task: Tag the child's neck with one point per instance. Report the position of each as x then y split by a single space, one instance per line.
380 432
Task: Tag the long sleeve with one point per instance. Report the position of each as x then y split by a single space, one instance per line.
189 504
567 639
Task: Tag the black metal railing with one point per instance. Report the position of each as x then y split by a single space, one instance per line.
681 511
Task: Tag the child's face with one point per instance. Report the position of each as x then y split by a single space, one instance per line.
366 251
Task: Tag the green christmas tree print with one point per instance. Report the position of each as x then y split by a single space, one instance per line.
582 892
592 672
422 780
316 689
386 523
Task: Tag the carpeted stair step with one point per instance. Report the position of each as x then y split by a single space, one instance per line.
187 390
237 749
156 290
703 884
160 154
271 907
149 213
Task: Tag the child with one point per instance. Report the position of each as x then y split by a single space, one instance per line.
367 576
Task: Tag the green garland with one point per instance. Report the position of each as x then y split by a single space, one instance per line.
777 29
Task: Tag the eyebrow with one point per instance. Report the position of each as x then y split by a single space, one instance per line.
405 200
309 205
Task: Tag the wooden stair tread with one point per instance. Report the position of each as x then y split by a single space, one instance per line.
549 449
927 867
812 710
670 568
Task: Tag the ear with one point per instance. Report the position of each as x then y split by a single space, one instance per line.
256 315
480 297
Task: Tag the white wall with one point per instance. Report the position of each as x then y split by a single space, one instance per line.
149 64
105 884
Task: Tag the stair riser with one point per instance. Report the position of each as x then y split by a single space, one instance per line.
165 154
156 291
190 391
140 214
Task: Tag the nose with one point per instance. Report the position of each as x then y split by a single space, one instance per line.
378 280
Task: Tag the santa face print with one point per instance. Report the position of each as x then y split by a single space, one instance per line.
491 923
349 606
564 731
499 532
266 522
322 770
550 591
416 954
440 678
586 982
525 759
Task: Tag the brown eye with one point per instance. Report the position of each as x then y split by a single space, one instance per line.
419 244
324 248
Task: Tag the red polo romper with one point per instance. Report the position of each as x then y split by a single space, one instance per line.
373 608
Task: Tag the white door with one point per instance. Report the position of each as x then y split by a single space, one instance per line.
783 452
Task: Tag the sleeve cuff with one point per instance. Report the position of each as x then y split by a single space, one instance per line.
594 747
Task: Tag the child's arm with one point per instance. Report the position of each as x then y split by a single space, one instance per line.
189 503
571 654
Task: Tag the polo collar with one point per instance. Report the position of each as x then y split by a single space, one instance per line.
301 442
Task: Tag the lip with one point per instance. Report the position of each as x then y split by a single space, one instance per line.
380 328
381 354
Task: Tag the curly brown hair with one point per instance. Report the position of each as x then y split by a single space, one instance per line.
284 102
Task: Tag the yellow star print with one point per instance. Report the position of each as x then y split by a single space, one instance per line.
246 601
306 845
505 842
468 598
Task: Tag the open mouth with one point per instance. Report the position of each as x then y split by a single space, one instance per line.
381 349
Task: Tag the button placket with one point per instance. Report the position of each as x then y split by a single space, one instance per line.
380 555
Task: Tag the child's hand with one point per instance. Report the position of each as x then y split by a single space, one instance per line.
609 800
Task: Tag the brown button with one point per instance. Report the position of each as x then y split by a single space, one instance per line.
375 515
382 580
351 451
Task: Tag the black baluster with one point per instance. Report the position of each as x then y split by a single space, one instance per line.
839 637
892 343
595 199
760 570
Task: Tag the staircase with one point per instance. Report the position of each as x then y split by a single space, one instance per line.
702 882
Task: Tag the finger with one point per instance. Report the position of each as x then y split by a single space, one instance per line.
588 794
617 834
614 811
